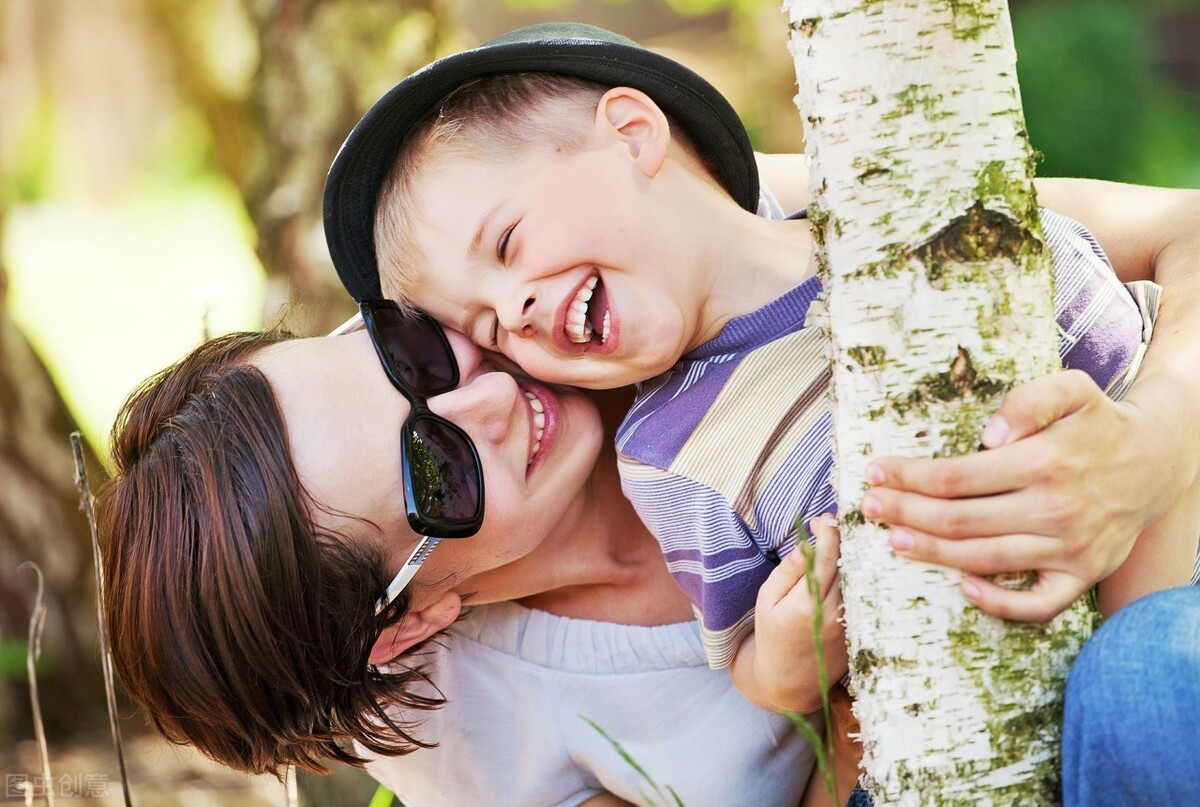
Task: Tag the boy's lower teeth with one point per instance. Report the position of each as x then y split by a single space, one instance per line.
582 338
589 333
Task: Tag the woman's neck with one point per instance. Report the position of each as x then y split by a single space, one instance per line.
599 563
617 575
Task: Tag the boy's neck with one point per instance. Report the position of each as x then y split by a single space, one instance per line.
756 261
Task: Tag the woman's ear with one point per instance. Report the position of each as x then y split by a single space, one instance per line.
633 119
416 627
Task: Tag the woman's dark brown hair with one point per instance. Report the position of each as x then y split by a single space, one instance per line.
235 624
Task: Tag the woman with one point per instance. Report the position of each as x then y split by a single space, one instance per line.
254 637
250 632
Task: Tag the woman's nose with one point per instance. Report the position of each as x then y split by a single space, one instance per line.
484 404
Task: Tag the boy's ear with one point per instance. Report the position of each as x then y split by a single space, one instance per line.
416 627
634 120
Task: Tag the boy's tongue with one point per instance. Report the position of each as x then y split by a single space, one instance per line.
597 309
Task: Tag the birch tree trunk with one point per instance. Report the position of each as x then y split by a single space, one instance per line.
940 297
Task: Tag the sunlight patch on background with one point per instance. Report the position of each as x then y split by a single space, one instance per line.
111 294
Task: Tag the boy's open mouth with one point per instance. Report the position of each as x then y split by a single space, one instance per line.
588 319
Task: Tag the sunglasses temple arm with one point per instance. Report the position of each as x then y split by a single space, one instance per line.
355 323
407 572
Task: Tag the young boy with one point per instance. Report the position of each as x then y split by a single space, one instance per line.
579 220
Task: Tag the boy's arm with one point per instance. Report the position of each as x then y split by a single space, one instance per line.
605 800
776 667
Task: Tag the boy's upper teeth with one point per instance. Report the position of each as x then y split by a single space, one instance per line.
539 420
577 327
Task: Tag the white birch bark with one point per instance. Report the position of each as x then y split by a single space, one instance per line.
940 296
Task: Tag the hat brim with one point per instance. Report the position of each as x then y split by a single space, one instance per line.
365 158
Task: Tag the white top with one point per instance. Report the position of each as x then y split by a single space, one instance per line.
520 683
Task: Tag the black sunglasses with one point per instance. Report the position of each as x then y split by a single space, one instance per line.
443 478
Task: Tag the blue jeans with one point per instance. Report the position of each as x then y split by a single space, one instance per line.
1133 707
859 798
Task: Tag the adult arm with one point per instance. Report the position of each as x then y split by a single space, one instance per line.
1072 478
1161 558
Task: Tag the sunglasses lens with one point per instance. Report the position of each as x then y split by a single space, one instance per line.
445 472
416 349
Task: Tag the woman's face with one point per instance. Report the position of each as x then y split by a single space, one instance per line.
343 419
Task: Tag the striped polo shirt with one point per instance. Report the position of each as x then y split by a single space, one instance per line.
721 453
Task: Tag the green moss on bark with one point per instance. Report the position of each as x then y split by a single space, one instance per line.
870 356
961 381
979 236
918 98
973 17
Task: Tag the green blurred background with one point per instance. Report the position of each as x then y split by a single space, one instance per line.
160 172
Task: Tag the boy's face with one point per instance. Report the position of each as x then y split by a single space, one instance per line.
569 264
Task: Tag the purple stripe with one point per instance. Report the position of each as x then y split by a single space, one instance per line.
1099 339
655 434
662 419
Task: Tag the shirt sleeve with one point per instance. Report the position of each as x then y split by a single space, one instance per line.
710 552
1104 325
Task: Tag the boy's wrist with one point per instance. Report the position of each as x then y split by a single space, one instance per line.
794 688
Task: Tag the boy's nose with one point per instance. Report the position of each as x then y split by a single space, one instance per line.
484 405
517 318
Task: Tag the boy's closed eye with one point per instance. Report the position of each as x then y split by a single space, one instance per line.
502 244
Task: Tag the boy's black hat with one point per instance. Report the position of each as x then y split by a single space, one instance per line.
572 49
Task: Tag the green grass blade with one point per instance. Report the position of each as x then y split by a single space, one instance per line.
382 798
633 763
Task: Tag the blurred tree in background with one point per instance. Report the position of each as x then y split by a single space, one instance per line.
151 150
99 96
1112 88
276 115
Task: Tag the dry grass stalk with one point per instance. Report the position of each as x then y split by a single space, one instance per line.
88 505
37 621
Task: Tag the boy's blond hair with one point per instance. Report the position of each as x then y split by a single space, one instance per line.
494 118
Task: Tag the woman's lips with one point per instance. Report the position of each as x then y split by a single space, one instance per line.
544 421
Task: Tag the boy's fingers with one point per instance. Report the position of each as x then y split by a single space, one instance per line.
782 579
832 602
786 578
1049 597
827 551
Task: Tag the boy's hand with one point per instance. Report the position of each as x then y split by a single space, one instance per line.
785 663
1065 489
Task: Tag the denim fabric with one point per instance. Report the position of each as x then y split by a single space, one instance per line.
1133 707
858 798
